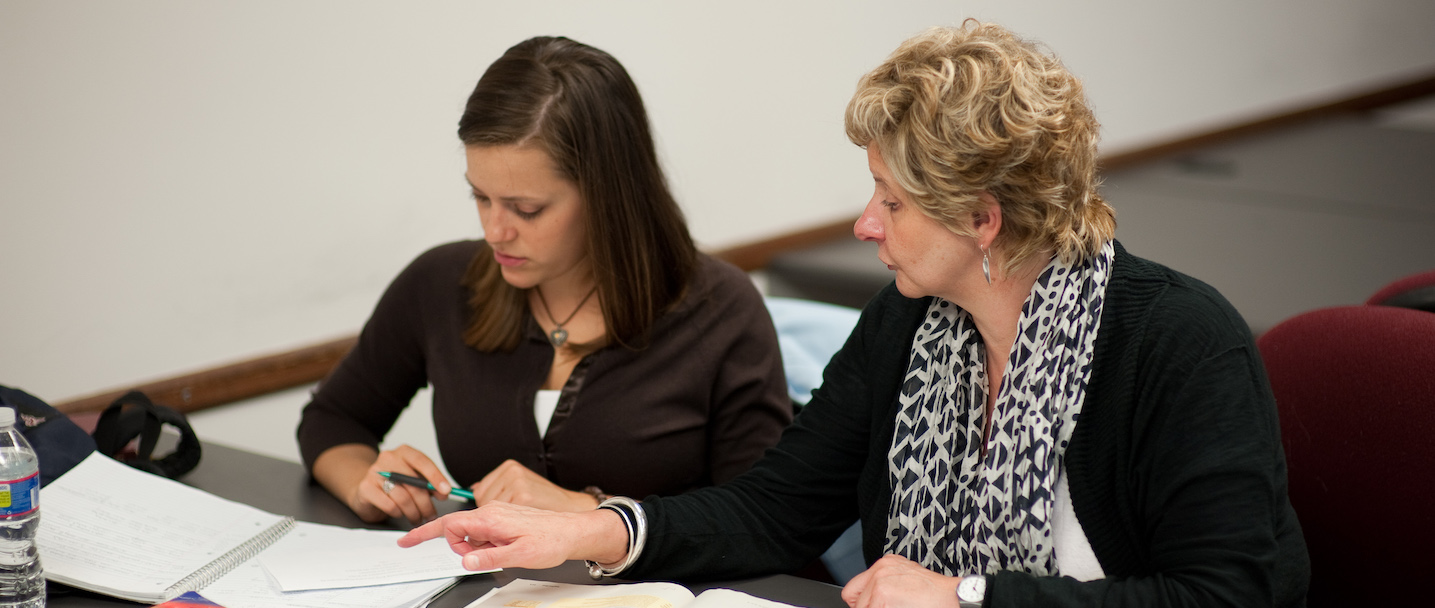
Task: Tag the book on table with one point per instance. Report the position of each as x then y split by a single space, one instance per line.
544 594
115 530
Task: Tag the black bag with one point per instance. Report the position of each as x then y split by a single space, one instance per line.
58 441
61 444
135 416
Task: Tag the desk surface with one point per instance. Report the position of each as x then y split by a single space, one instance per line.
284 488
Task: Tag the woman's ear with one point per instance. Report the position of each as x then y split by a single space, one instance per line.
987 222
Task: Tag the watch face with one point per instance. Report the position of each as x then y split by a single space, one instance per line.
972 589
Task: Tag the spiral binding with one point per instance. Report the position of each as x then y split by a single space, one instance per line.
221 565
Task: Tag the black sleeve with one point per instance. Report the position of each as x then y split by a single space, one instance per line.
360 400
1206 492
750 406
795 501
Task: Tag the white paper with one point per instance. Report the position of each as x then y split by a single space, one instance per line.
249 587
315 556
544 594
123 532
727 598
113 529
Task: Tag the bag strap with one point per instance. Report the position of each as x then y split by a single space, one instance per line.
119 425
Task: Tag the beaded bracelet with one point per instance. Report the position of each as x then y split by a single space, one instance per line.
597 493
637 524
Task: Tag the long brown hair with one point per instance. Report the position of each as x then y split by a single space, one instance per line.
579 104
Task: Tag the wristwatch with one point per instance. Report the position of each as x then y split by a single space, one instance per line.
971 591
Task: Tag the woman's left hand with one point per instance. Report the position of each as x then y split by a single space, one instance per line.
513 483
897 581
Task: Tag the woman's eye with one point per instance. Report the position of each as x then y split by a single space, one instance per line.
890 205
526 215
481 199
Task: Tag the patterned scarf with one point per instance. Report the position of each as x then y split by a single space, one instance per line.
954 510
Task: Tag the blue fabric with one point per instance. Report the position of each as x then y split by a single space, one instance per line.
808 333
844 558
59 443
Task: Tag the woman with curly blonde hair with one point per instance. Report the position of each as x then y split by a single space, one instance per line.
1028 416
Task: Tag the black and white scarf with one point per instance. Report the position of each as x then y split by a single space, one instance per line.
953 510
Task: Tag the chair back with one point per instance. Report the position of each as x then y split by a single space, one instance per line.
1415 291
1355 387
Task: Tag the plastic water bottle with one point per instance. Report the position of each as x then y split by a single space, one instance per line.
22 581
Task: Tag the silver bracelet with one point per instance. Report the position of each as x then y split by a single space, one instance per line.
631 512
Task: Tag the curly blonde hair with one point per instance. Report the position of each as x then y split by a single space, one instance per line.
958 111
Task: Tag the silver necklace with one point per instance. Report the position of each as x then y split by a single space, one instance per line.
559 336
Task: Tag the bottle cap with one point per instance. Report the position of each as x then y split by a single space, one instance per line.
7 416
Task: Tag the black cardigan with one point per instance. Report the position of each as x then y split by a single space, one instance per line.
1175 467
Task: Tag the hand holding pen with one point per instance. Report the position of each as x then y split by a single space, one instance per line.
376 498
391 478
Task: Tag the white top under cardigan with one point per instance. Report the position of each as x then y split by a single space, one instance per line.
544 403
1074 557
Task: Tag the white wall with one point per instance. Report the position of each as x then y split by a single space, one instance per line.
185 184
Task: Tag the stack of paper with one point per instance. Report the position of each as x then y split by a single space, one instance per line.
545 594
115 530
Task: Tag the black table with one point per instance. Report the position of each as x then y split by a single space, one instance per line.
284 488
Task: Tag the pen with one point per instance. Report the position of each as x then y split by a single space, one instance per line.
456 494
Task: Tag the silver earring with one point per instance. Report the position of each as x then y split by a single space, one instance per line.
987 266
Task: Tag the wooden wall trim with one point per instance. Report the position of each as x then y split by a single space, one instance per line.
229 383
267 374
757 255
1366 101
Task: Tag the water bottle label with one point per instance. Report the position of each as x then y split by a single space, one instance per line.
19 496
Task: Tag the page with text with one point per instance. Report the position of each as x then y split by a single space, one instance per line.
544 594
113 529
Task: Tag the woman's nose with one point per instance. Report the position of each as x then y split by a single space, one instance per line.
497 225
869 226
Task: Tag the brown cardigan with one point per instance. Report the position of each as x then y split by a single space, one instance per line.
698 406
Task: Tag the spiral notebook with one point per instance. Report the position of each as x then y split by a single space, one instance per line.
111 529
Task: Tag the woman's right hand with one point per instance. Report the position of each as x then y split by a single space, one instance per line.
416 504
503 535
351 473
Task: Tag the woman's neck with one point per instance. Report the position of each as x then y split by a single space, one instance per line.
996 308
996 312
570 305
564 291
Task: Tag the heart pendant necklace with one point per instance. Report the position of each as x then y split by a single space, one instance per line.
559 336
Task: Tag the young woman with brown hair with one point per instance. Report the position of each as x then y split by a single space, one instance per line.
584 347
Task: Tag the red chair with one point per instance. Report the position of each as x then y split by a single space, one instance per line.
1355 387
1415 291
